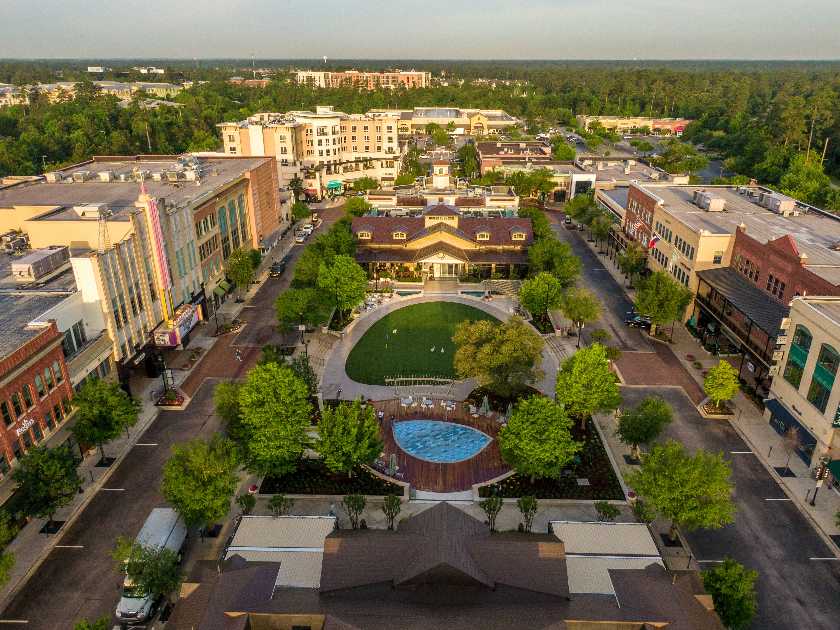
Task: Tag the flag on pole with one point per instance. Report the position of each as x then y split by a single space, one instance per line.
653 241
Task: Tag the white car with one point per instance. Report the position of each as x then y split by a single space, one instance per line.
300 237
308 228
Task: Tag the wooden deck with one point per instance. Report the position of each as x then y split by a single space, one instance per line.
457 477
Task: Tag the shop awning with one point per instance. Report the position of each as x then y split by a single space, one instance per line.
224 285
334 185
834 468
219 291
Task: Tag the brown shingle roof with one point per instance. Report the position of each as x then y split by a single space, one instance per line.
500 229
441 210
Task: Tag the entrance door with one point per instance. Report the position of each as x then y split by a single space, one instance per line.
447 270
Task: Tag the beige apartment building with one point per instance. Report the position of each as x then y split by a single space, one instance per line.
624 124
408 79
803 395
462 121
328 149
12 95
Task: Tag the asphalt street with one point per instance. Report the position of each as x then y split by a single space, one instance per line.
797 587
79 579
595 277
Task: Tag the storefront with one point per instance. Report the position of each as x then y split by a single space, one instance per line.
783 421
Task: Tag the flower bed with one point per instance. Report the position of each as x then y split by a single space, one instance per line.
591 463
312 477
498 403
225 329
172 398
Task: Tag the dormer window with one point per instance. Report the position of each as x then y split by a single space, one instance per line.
482 236
517 236
398 236
363 235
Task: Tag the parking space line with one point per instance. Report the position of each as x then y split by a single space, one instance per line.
69 547
146 444
14 620
712 561
824 558
779 499
113 489
741 453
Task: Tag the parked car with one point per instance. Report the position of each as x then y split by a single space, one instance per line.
300 237
638 321
163 529
276 270
567 220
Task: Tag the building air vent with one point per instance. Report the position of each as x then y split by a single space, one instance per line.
157 176
106 176
54 178
81 176
172 176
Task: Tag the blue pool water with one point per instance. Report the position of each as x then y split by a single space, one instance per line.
439 442
404 292
473 293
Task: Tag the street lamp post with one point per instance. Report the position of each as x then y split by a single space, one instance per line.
821 474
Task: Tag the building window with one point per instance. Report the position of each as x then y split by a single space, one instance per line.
399 236
59 375
8 418
518 236
365 235
36 430
48 419
16 404
48 379
717 258
823 380
27 396
58 413
39 386
482 236
798 355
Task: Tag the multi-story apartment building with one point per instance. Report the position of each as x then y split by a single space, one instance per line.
12 95
745 252
149 236
367 80
326 148
474 122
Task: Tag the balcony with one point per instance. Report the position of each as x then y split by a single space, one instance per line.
91 355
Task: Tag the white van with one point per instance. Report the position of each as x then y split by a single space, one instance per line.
163 528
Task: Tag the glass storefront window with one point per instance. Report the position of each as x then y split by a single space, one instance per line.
798 356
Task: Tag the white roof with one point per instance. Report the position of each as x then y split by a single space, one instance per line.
605 539
295 542
590 574
592 549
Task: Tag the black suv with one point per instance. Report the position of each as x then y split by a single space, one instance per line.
276 270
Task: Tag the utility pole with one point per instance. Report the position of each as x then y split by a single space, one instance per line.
148 138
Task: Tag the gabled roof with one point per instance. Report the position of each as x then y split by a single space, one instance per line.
441 210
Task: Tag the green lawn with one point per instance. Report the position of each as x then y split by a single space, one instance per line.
382 353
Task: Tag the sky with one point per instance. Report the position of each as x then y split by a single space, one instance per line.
421 29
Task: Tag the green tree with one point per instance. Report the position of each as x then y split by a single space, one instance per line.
528 507
226 403
606 511
302 367
344 282
632 261
562 150
154 570
391 506
491 506
581 307
103 411
439 135
691 491
679 157
503 356
661 298
8 531
600 227
586 385
280 504
295 307
537 439
47 480
468 160
246 502
357 206
354 505
365 183
348 435
643 423
732 587
103 623
541 293
296 185
721 383
806 180
240 268
300 211
551 256
276 413
199 479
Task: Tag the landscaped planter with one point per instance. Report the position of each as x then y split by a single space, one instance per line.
226 329
171 399
593 464
313 478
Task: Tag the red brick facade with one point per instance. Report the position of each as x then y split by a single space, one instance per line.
775 267
264 201
638 217
36 368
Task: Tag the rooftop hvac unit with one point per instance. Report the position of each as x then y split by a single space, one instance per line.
124 177
88 210
157 176
190 175
777 203
141 175
54 178
172 176
81 176
708 201
106 176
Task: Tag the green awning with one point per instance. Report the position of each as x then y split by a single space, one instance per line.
334 184
225 285
219 291
834 468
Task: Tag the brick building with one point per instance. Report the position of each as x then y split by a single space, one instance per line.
35 387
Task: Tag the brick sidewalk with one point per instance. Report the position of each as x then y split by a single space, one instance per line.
658 368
